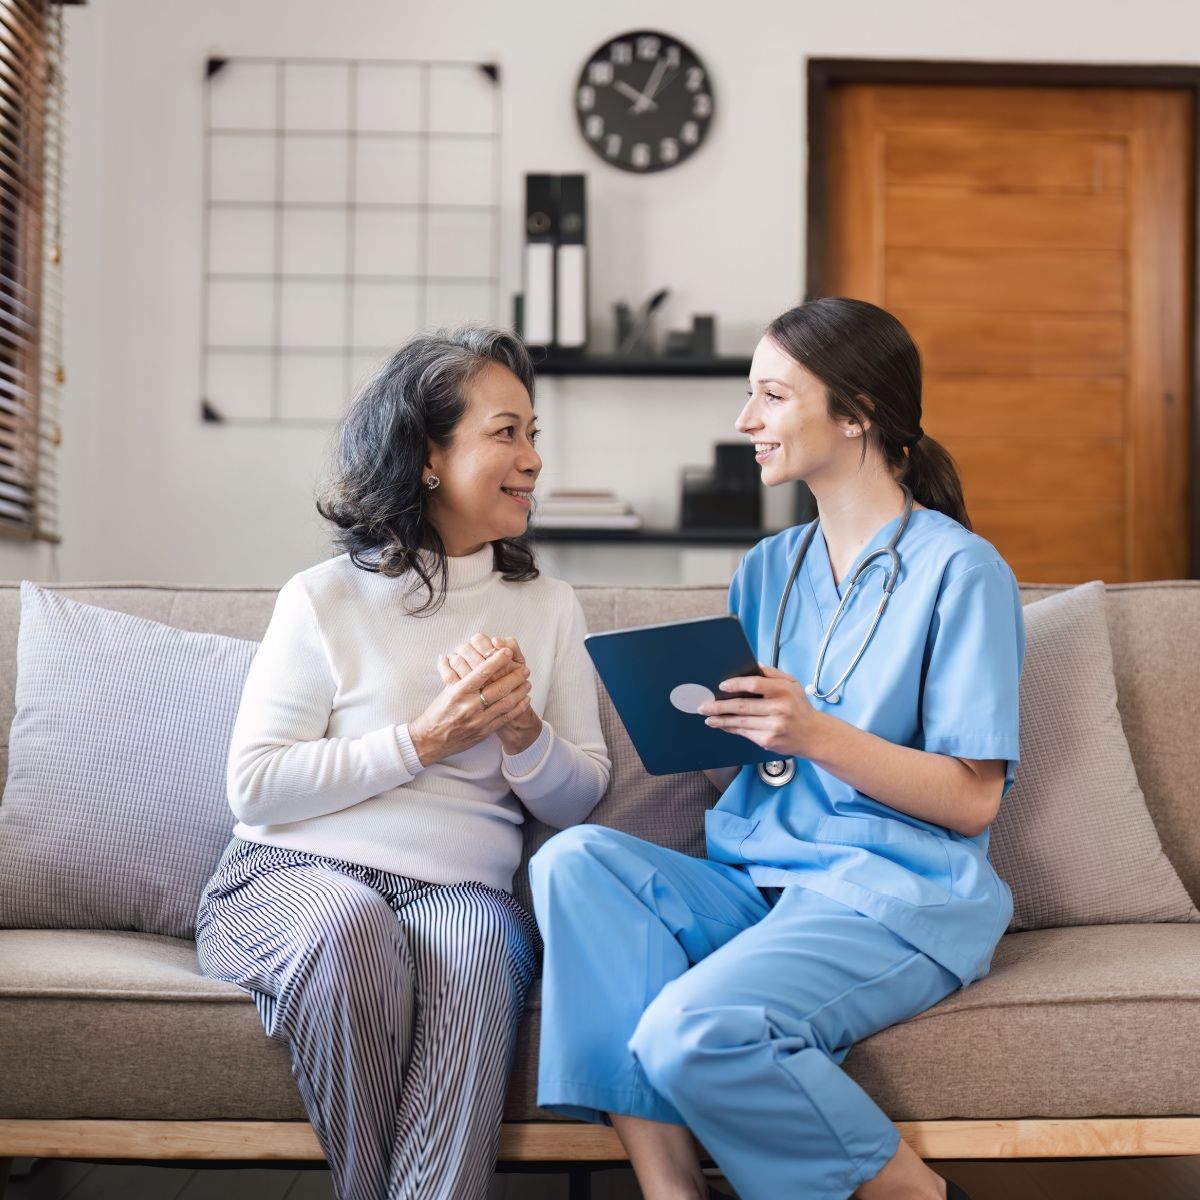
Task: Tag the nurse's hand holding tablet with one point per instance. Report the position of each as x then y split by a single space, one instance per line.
777 714
846 884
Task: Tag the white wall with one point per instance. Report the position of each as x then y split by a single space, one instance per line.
151 493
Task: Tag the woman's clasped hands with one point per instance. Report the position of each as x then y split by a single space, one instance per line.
776 714
523 725
486 691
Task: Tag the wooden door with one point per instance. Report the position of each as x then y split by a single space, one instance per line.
1037 244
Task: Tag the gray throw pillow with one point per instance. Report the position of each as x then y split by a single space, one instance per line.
1074 839
115 811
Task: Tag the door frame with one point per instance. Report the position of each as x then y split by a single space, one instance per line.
824 74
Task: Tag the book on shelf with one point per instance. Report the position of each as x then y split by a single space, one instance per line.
581 494
624 520
581 503
583 508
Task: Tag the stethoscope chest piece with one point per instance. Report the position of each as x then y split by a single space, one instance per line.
778 772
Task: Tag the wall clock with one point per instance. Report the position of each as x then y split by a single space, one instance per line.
644 101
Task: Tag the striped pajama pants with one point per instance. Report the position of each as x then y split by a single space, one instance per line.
398 1001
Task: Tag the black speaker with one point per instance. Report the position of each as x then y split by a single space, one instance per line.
726 496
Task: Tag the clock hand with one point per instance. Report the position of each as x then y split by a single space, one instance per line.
671 79
641 102
655 79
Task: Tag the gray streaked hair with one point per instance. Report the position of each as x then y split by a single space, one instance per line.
376 495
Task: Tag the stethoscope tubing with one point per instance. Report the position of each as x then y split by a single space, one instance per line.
833 694
781 771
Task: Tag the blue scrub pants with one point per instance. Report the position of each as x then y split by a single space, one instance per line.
673 989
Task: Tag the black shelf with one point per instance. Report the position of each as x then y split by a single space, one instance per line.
659 537
553 363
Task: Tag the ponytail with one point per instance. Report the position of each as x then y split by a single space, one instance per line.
871 370
930 473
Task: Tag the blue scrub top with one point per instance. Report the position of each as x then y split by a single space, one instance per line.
941 674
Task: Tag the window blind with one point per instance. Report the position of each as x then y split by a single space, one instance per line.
32 113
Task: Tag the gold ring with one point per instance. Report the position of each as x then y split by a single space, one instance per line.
483 699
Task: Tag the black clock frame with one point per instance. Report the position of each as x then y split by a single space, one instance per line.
626 58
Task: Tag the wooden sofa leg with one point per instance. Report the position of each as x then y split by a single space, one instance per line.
579 1183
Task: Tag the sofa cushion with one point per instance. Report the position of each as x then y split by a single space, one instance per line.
1155 632
115 812
105 1024
1070 1023
1074 839
1077 1022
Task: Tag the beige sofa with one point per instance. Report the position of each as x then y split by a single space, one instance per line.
1081 1042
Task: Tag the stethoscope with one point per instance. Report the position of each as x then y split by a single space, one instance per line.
781 771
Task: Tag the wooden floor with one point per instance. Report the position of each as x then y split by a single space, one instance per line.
1108 1179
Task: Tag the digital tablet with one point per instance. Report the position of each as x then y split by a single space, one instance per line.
658 675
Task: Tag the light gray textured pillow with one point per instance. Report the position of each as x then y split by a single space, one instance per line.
115 812
1074 839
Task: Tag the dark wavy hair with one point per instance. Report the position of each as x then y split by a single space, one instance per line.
376 495
871 370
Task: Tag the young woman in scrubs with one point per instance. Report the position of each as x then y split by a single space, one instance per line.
719 996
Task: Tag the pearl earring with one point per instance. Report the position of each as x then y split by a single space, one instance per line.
432 482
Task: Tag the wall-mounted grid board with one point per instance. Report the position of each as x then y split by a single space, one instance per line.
348 203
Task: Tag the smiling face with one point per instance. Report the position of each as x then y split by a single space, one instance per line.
489 469
787 417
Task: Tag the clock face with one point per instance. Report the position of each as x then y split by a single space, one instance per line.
644 102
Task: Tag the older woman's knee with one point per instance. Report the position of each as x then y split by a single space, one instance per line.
342 920
480 936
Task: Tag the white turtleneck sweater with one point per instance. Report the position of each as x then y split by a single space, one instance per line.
321 760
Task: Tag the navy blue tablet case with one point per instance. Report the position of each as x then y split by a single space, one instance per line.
641 667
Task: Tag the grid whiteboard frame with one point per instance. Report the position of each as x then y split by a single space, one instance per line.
426 137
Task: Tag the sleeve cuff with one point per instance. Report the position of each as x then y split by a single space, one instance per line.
517 766
412 764
979 746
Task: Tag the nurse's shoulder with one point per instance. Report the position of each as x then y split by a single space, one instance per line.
954 551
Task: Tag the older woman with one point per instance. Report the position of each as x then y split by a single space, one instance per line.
411 700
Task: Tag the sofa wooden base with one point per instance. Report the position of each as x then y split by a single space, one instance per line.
573 1142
